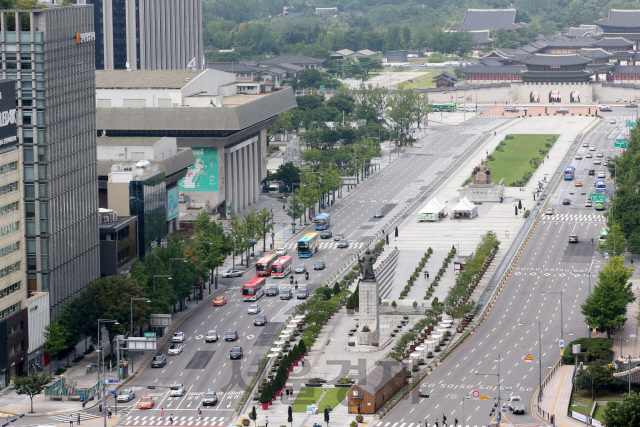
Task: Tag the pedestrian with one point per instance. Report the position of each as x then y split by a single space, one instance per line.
199 414
302 361
359 409
283 207
419 423
444 420
171 419
109 409
70 420
287 391
84 403
436 424
266 422
162 413
426 423
78 418
291 391
455 422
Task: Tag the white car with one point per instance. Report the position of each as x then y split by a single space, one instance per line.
281 251
586 144
592 148
549 211
515 405
600 174
126 395
178 337
177 390
254 309
599 155
232 273
175 349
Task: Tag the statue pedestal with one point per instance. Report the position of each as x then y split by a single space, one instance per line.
482 192
368 331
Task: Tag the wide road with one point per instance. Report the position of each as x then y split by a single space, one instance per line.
549 263
206 367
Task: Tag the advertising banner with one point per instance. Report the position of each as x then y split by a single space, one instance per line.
172 203
8 124
203 174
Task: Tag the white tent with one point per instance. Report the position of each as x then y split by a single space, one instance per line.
433 211
465 208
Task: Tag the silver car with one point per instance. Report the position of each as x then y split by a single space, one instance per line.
212 336
176 390
175 349
126 395
253 309
232 273
178 337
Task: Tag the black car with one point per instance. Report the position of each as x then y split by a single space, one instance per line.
286 294
302 294
319 265
260 320
606 109
231 336
511 110
326 234
566 202
235 353
378 214
159 361
273 291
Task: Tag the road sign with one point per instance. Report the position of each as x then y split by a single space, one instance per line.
149 334
598 198
484 397
528 358
620 143
113 392
606 255
608 179
476 394
113 381
253 241
561 342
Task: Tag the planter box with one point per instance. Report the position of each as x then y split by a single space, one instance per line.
344 385
313 384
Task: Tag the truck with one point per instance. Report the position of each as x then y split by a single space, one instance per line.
515 405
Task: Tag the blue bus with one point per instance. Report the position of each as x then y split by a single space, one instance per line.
308 245
569 172
322 221
601 187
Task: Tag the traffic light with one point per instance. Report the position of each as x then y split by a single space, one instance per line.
326 415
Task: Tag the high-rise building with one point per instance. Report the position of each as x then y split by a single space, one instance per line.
50 52
13 293
148 34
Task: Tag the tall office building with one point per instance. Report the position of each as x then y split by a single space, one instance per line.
51 54
148 34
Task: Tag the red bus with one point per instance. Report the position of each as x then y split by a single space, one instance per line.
253 289
264 264
282 267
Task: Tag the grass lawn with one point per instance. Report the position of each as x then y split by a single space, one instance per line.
584 396
421 82
512 163
309 395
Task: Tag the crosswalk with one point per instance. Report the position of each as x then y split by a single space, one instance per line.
573 217
177 421
325 245
390 424
83 417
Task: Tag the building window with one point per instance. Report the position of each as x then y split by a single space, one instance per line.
9 249
10 269
8 167
10 310
124 233
7 209
15 328
8 229
123 255
9 290
16 348
9 188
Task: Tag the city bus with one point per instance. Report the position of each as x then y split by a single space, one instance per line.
253 289
569 172
601 187
282 267
599 206
446 107
264 264
602 240
322 221
308 245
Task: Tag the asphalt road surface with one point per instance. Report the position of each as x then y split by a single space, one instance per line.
549 263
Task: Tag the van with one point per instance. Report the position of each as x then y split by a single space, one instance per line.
176 390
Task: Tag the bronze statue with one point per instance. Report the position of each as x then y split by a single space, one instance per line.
366 266
482 174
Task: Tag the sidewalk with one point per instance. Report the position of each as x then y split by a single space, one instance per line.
556 398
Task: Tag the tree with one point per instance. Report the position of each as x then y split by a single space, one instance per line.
55 341
264 220
302 348
289 174
285 121
597 375
31 385
336 289
606 307
616 241
623 414
309 78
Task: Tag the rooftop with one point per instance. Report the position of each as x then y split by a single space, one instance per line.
489 19
292 58
144 79
621 18
626 69
482 36
555 60
232 67
503 69
613 42
379 376
121 141
594 53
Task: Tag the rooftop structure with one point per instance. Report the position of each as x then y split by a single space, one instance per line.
489 19
621 21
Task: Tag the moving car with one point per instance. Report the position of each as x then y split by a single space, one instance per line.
231 336
209 398
176 390
585 144
599 155
597 162
286 294
302 294
378 214
631 105
600 174
272 291
281 251
592 148
235 353
260 320
578 184
212 336
159 360
319 265
604 106
232 273
588 204
549 211
300 269
562 110
592 172
146 402
612 121
338 237
573 238
515 405
566 202
178 337
126 395
326 234
219 301
343 243
579 157
606 109
253 309
175 349
511 109
589 156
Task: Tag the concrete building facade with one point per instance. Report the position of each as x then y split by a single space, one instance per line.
51 51
148 34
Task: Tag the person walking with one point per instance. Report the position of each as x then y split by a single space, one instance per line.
171 419
70 420
302 363
436 424
444 420
426 423
162 413
109 409
455 422
266 423
78 419
199 413
84 404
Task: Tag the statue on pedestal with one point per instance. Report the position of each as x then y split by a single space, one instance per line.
482 174
366 266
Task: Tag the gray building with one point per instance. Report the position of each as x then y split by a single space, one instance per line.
51 53
148 34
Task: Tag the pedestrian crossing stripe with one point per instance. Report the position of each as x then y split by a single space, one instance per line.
572 217
185 420
83 416
390 424
326 245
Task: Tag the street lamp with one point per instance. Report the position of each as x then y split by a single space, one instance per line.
159 275
132 300
373 137
539 350
561 319
498 375
104 387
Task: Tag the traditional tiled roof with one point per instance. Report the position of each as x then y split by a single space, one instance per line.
594 53
491 62
504 69
621 18
552 60
613 42
636 56
291 58
445 76
482 37
232 67
555 74
489 19
625 54
626 69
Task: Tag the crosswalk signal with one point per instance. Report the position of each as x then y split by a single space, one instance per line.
326 415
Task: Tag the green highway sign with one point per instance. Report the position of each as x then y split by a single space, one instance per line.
598 198
149 334
631 123
620 143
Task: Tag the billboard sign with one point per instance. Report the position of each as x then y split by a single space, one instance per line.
203 174
173 203
8 123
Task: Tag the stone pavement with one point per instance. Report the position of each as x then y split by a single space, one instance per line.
556 398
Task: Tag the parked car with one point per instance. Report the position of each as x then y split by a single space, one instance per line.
272 291
286 294
302 294
146 402
231 336
326 234
176 390
159 360
235 353
232 273
260 320
209 398
281 251
126 395
343 243
212 336
338 237
253 309
562 110
178 337
319 265
219 301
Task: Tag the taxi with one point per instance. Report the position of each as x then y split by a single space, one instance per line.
146 402
578 184
219 301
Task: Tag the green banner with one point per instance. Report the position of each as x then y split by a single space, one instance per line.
598 198
173 203
203 174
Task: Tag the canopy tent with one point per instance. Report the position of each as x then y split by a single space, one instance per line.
465 209
433 211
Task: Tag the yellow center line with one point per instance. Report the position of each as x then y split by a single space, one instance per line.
558 392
